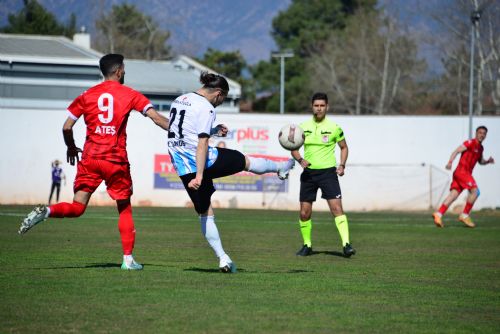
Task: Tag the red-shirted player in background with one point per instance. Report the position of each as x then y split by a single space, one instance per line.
472 152
105 109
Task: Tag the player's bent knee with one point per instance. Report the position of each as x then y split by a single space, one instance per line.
337 211
304 216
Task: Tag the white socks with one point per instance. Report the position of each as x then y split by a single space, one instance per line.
262 166
209 230
128 259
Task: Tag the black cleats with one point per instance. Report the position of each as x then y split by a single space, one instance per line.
348 250
305 251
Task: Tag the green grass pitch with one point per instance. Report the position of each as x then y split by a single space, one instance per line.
407 277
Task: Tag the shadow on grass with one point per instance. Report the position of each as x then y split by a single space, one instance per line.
205 270
334 253
240 270
98 265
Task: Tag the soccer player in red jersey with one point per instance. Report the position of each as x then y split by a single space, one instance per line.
105 109
471 152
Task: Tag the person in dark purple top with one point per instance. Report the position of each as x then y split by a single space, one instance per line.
57 177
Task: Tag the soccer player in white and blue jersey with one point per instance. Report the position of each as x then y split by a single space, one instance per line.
192 118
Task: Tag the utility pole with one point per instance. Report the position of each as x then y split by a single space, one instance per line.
282 55
475 16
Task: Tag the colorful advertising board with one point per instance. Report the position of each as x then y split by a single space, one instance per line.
165 177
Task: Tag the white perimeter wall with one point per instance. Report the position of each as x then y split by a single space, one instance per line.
384 170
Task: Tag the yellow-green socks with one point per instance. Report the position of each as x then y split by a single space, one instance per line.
343 227
305 230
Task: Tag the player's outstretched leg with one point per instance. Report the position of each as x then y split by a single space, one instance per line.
36 216
262 166
59 210
284 169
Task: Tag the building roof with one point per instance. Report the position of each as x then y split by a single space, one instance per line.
45 49
55 62
159 77
176 76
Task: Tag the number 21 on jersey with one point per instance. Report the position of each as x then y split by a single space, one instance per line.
173 114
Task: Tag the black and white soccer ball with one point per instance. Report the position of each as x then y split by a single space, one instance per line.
291 137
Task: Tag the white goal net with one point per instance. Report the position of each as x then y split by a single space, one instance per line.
394 187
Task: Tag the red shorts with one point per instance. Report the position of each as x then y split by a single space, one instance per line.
462 180
90 173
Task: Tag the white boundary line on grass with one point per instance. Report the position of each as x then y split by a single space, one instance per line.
363 222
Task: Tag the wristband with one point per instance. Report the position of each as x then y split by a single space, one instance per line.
343 166
300 160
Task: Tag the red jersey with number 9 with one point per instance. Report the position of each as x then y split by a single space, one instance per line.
105 109
471 156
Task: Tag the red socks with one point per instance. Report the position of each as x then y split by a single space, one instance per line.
442 209
69 210
126 228
467 208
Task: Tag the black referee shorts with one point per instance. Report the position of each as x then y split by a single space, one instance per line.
324 179
228 162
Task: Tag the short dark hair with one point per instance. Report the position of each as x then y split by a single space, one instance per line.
110 63
214 81
482 127
319 96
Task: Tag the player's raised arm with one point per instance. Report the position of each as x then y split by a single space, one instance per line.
483 161
157 118
219 131
459 150
72 151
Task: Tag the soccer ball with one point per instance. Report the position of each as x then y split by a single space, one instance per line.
291 137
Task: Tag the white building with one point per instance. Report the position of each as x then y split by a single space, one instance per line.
47 72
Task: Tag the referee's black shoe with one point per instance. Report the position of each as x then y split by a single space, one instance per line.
348 250
305 251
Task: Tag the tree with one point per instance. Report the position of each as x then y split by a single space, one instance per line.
304 24
127 31
33 18
369 67
232 65
454 23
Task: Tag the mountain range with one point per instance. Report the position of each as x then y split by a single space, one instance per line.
195 25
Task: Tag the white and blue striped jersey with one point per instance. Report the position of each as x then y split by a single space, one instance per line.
190 116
